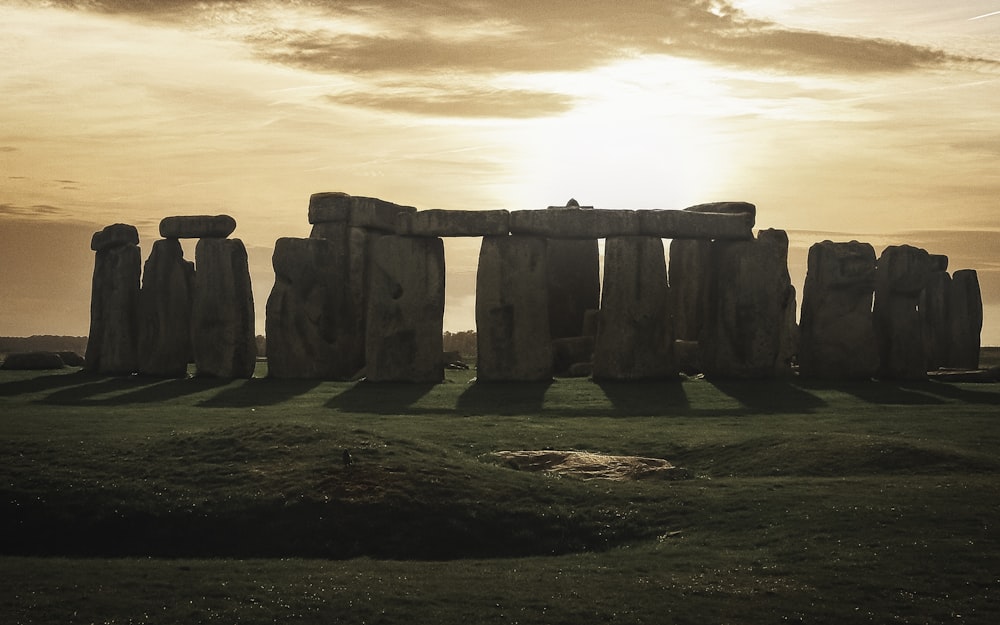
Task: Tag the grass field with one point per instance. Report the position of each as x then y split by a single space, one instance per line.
194 501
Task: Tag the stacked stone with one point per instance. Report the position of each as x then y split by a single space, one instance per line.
837 331
165 308
750 330
112 345
900 277
933 305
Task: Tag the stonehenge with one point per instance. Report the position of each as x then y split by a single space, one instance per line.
363 298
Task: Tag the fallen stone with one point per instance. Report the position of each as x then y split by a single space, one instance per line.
165 302
72 359
574 223
675 224
688 356
965 375
965 319
592 466
453 223
32 361
569 351
197 227
580 370
115 235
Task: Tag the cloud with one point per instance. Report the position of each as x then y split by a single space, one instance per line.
36 210
8 148
436 101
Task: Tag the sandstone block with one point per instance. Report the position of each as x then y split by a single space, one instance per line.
453 223
32 361
330 207
675 224
114 235
574 284
933 305
197 227
732 208
634 339
405 310
838 335
512 319
965 319
165 302
114 310
900 276
376 214
222 316
690 271
569 351
574 223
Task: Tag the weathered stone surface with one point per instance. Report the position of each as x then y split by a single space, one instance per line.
838 335
453 223
329 207
114 235
688 356
938 262
747 334
114 309
731 208
567 352
574 284
24 361
675 224
331 230
222 317
690 278
165 302
580 370
375 214
900 276
406 310
574 223
512 319
304 309
933 305
965 318
197 227
72 359
634 339
591 317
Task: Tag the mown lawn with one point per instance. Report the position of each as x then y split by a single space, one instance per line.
184 501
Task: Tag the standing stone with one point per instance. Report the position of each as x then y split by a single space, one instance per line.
165 311
965 319
222 323
112 345
405 310
574 284
933 305
900 276
512 318
838 335
749 333
634 339
690 273
306 309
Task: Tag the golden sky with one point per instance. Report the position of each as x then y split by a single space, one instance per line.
840 119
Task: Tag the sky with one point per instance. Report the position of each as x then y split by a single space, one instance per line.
840 119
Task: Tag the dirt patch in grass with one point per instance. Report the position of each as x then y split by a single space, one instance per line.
592 466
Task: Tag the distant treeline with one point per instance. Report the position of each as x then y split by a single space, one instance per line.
462 342
43 343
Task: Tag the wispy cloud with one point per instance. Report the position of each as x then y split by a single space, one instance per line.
460 103
7 148
36 210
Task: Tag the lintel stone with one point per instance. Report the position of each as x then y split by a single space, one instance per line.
453 223
197 227
114 235
675 224
575 223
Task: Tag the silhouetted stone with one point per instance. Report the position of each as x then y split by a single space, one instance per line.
938 262
222 323
591 317
900 276
332 231
305 309
115 235
375 214
72 359
114 305
730 208
453 223
33 361
688 356
512 320
965 318
567 352
574 223
634 339
837 331
675 224
574 284
690 278
405 310
749 332
329 207
933 305
197 227
165 311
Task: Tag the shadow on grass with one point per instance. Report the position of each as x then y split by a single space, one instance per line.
652 398
259 392
505 398
120 391
920 393
379 397
48 382
769 396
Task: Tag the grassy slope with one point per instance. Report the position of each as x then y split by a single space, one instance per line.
863 503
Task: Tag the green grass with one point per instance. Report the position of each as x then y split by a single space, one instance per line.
186 501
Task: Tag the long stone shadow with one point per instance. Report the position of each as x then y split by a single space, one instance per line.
773 396
504 398
379 397
642 399
878 392
43 383
259 392
130 390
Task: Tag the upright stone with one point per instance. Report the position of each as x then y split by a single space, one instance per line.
165 311
222 323
112 345
634 339
749 332
900 276
405 310
574 281
306 311
965 318
690 273
838 335
512 319
933 305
